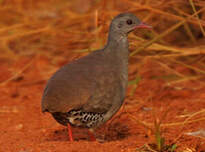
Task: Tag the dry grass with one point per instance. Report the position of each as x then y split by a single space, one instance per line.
63 28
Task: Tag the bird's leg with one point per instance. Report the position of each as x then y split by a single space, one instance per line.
70 132
91 135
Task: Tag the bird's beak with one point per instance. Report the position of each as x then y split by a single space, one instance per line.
143 25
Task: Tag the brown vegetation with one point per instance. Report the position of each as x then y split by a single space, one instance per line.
166 96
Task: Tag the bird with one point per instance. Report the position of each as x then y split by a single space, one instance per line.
88 91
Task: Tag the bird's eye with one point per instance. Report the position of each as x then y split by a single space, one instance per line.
129 22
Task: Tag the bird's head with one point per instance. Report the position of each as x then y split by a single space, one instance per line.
125 23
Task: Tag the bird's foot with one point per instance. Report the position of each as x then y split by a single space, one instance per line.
70 135
91 135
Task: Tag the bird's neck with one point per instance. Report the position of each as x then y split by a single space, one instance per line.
117 51
117 40
117 44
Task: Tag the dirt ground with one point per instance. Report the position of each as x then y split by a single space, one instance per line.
24 128
169 98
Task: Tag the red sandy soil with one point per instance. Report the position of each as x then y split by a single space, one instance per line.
24 128
36 42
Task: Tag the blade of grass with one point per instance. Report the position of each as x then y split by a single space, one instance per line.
18 73
135 84
188 119
164 33
171 16
182 80
194 9
186 27
189 66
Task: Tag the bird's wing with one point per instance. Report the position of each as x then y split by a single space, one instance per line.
87 83
107 92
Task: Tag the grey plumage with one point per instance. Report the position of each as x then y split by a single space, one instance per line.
89 91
